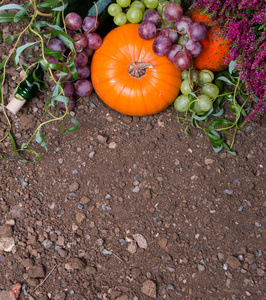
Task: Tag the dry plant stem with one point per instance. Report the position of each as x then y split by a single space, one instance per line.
95 19
38 12
44 279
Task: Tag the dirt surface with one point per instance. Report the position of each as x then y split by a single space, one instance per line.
129 208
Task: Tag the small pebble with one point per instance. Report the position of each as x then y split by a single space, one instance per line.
171 287
201 268
136 189
228 192
91 154
92 105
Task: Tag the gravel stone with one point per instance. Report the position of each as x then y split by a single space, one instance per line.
149 288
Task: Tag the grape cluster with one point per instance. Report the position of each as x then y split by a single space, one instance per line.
176 35
124 11
83 31
198 91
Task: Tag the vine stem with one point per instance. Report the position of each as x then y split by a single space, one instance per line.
4 75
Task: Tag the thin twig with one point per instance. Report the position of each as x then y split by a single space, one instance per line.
44 279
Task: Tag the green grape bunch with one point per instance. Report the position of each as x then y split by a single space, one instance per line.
127 11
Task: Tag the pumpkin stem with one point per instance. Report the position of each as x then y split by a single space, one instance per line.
138 69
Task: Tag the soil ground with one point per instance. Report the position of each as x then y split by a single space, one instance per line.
130 208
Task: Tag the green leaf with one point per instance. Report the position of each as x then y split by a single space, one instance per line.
56 54
15 148
40 138
1 38
21 49
101 5
72 68
2 63
225 79
231 66
218 149
48 4
12 6
215 140
10 39
220 122
74 128
229 150
21 13
7 18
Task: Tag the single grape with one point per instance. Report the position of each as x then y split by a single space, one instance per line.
211 90
139 5
183 59
90 24
206 75
182 24
94 40
197 31
81 59
184 74
185 87
120 19
196 108
68 88
114 9
161 46
83 72
182 103
204 103
70 106
73 21
173 12
174 49
82 41
88 51
195 48
152 16
147 30
151 4
123 3
83 87
134 15
56 44
195 75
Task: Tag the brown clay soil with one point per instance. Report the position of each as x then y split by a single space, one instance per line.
129 207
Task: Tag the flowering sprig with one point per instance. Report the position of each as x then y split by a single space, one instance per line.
244 24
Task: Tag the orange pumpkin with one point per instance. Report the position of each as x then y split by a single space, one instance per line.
214 47
129 77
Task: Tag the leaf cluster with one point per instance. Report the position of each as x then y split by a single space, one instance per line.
232 95
42 21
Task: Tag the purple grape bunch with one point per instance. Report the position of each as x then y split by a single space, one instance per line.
176 36
87 41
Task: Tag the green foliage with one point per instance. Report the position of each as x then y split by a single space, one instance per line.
41 21
218 129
